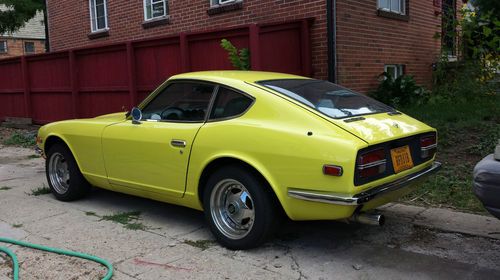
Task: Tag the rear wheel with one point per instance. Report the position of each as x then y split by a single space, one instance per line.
63 175
240 208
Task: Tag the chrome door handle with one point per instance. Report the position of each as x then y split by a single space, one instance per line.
178 143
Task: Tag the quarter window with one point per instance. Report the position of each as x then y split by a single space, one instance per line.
98 15
29 47
3 46
229 104
180 102
394 70
155 9
394 6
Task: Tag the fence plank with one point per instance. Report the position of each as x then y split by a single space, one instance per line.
26 87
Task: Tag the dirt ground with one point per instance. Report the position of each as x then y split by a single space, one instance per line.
154 240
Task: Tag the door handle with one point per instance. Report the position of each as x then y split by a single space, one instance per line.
178 143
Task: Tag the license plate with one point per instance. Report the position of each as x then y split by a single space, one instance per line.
401 159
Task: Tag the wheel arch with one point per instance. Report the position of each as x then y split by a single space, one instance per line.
222 161
53 139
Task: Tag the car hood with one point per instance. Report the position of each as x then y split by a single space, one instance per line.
382 127
112 117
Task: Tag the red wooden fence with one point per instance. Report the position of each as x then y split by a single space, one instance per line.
92 81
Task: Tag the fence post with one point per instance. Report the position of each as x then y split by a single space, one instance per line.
305 48
183 44
255 47
73 75
132 78
26 87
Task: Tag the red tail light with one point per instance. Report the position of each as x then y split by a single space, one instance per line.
428 146
372 163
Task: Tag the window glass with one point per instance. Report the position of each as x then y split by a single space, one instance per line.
229 104
180 102
29 47
98 15
3 46
384 4
222 2
328 98
155 8
395 6
394 70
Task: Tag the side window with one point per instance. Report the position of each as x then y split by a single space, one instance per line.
184 102
229 104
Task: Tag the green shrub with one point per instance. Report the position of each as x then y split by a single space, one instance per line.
240 59
21 139
399 92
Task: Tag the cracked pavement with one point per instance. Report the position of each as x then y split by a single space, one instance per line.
415 243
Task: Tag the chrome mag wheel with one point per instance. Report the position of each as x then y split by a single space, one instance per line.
232 209
59 173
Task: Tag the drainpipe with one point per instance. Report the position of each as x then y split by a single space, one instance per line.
46 23
331 21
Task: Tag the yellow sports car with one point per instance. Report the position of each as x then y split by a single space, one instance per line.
246 147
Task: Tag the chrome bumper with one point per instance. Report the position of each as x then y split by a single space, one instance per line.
364 197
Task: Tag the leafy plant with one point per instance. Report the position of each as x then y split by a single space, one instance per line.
17 13
240 59
399 92
40 190
20 139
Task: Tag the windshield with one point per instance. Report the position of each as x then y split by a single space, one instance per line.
328 98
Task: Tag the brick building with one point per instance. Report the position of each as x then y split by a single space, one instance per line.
352 41
29 39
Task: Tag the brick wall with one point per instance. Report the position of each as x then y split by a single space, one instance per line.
367 41
69 22
15 47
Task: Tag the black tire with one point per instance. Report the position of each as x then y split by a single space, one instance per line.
262 202
74 186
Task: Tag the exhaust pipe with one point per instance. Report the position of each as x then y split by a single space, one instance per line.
368 219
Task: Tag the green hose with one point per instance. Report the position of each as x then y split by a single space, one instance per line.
15 263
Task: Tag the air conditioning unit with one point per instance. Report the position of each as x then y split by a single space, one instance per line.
221 2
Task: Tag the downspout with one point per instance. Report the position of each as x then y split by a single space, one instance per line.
331 29
46 23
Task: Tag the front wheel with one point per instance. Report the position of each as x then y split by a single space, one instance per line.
240 208
63 175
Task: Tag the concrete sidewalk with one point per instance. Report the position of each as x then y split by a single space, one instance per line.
172 242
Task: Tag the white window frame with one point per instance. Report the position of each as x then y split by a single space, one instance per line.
402 7
4 42
165 13
93 16
215 3
399 69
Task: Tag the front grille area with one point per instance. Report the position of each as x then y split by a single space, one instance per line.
413 142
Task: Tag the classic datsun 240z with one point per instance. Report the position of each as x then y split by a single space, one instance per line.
246 147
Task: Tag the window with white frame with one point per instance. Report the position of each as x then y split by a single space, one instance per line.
98 15
393 6
3 46
394 70
222 2
154 9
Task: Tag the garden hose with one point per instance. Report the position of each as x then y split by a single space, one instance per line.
15 263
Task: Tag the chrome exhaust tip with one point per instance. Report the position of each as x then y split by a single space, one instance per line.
368 219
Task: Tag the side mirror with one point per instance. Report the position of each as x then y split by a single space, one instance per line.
136 115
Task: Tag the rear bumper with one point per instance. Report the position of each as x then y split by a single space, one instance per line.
367 196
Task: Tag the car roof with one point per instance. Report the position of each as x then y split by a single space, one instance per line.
235 75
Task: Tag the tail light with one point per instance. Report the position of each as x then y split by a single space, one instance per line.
372 163
428 146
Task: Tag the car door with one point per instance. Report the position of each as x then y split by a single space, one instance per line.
153 155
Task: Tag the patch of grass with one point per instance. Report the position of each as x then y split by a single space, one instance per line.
467 132
90 213
20 139
40 191
128 219
17 225
202 244
5 188
32 156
